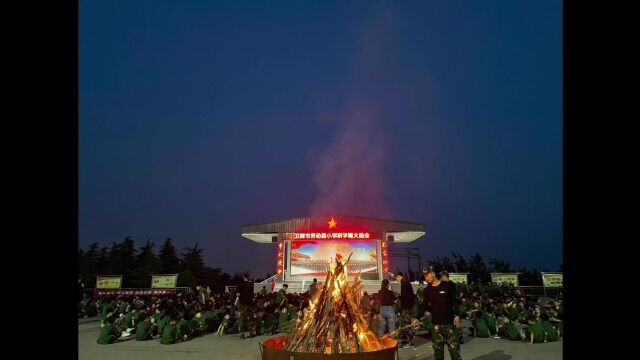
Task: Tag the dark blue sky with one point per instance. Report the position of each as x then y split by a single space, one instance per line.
199 116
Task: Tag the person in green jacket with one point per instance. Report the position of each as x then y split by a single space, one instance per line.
108 331
508 330
183 329
169 332
492 323
283 320
534 333
514 313
144 330
374 323
553 334
259 322
480 328
196 324
271 323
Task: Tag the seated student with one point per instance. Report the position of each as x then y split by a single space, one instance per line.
106 306
144 330
523 317
534 333
559 323
292 309
536 311
480 328
182 327
258 322
233 325
218 316
270 321
508 329
374 323
283 320
463 308
137 315
500 310
552 332
222 328
196 325
128 323
108 331
492 323
157 318
169 332
164 319
374 304
514 313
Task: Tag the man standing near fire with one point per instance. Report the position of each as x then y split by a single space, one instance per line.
440 300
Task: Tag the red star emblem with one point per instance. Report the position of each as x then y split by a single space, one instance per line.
332 223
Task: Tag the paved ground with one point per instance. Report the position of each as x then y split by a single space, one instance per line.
230 347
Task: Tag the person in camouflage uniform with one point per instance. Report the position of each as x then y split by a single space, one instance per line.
441 301
245 315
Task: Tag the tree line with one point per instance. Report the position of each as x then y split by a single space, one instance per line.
480 272
137 264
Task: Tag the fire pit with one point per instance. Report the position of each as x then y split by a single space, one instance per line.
273 349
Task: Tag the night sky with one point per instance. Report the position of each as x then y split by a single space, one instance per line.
196 117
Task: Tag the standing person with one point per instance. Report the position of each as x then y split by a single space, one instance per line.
444 277
407 299
80 290
245 289
387 315
441 302
202 294
364 303
313 288
281 296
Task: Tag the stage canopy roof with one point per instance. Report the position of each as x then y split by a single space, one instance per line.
402 231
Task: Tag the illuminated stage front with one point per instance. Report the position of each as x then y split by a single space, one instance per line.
306 246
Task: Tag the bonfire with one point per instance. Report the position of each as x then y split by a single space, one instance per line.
334 322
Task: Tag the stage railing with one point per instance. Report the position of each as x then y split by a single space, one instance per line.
268 280
540 291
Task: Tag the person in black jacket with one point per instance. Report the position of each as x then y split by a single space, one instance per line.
440 300
387 314
245 290
407 299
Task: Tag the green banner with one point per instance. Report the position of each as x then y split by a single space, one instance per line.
459 278
164 281
108 282
504 278
552 279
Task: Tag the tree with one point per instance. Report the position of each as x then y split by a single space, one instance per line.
435 264
192 261
186 279
102 264
88 264
460 262
147 265
478 269
499 266
447 264
169 263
